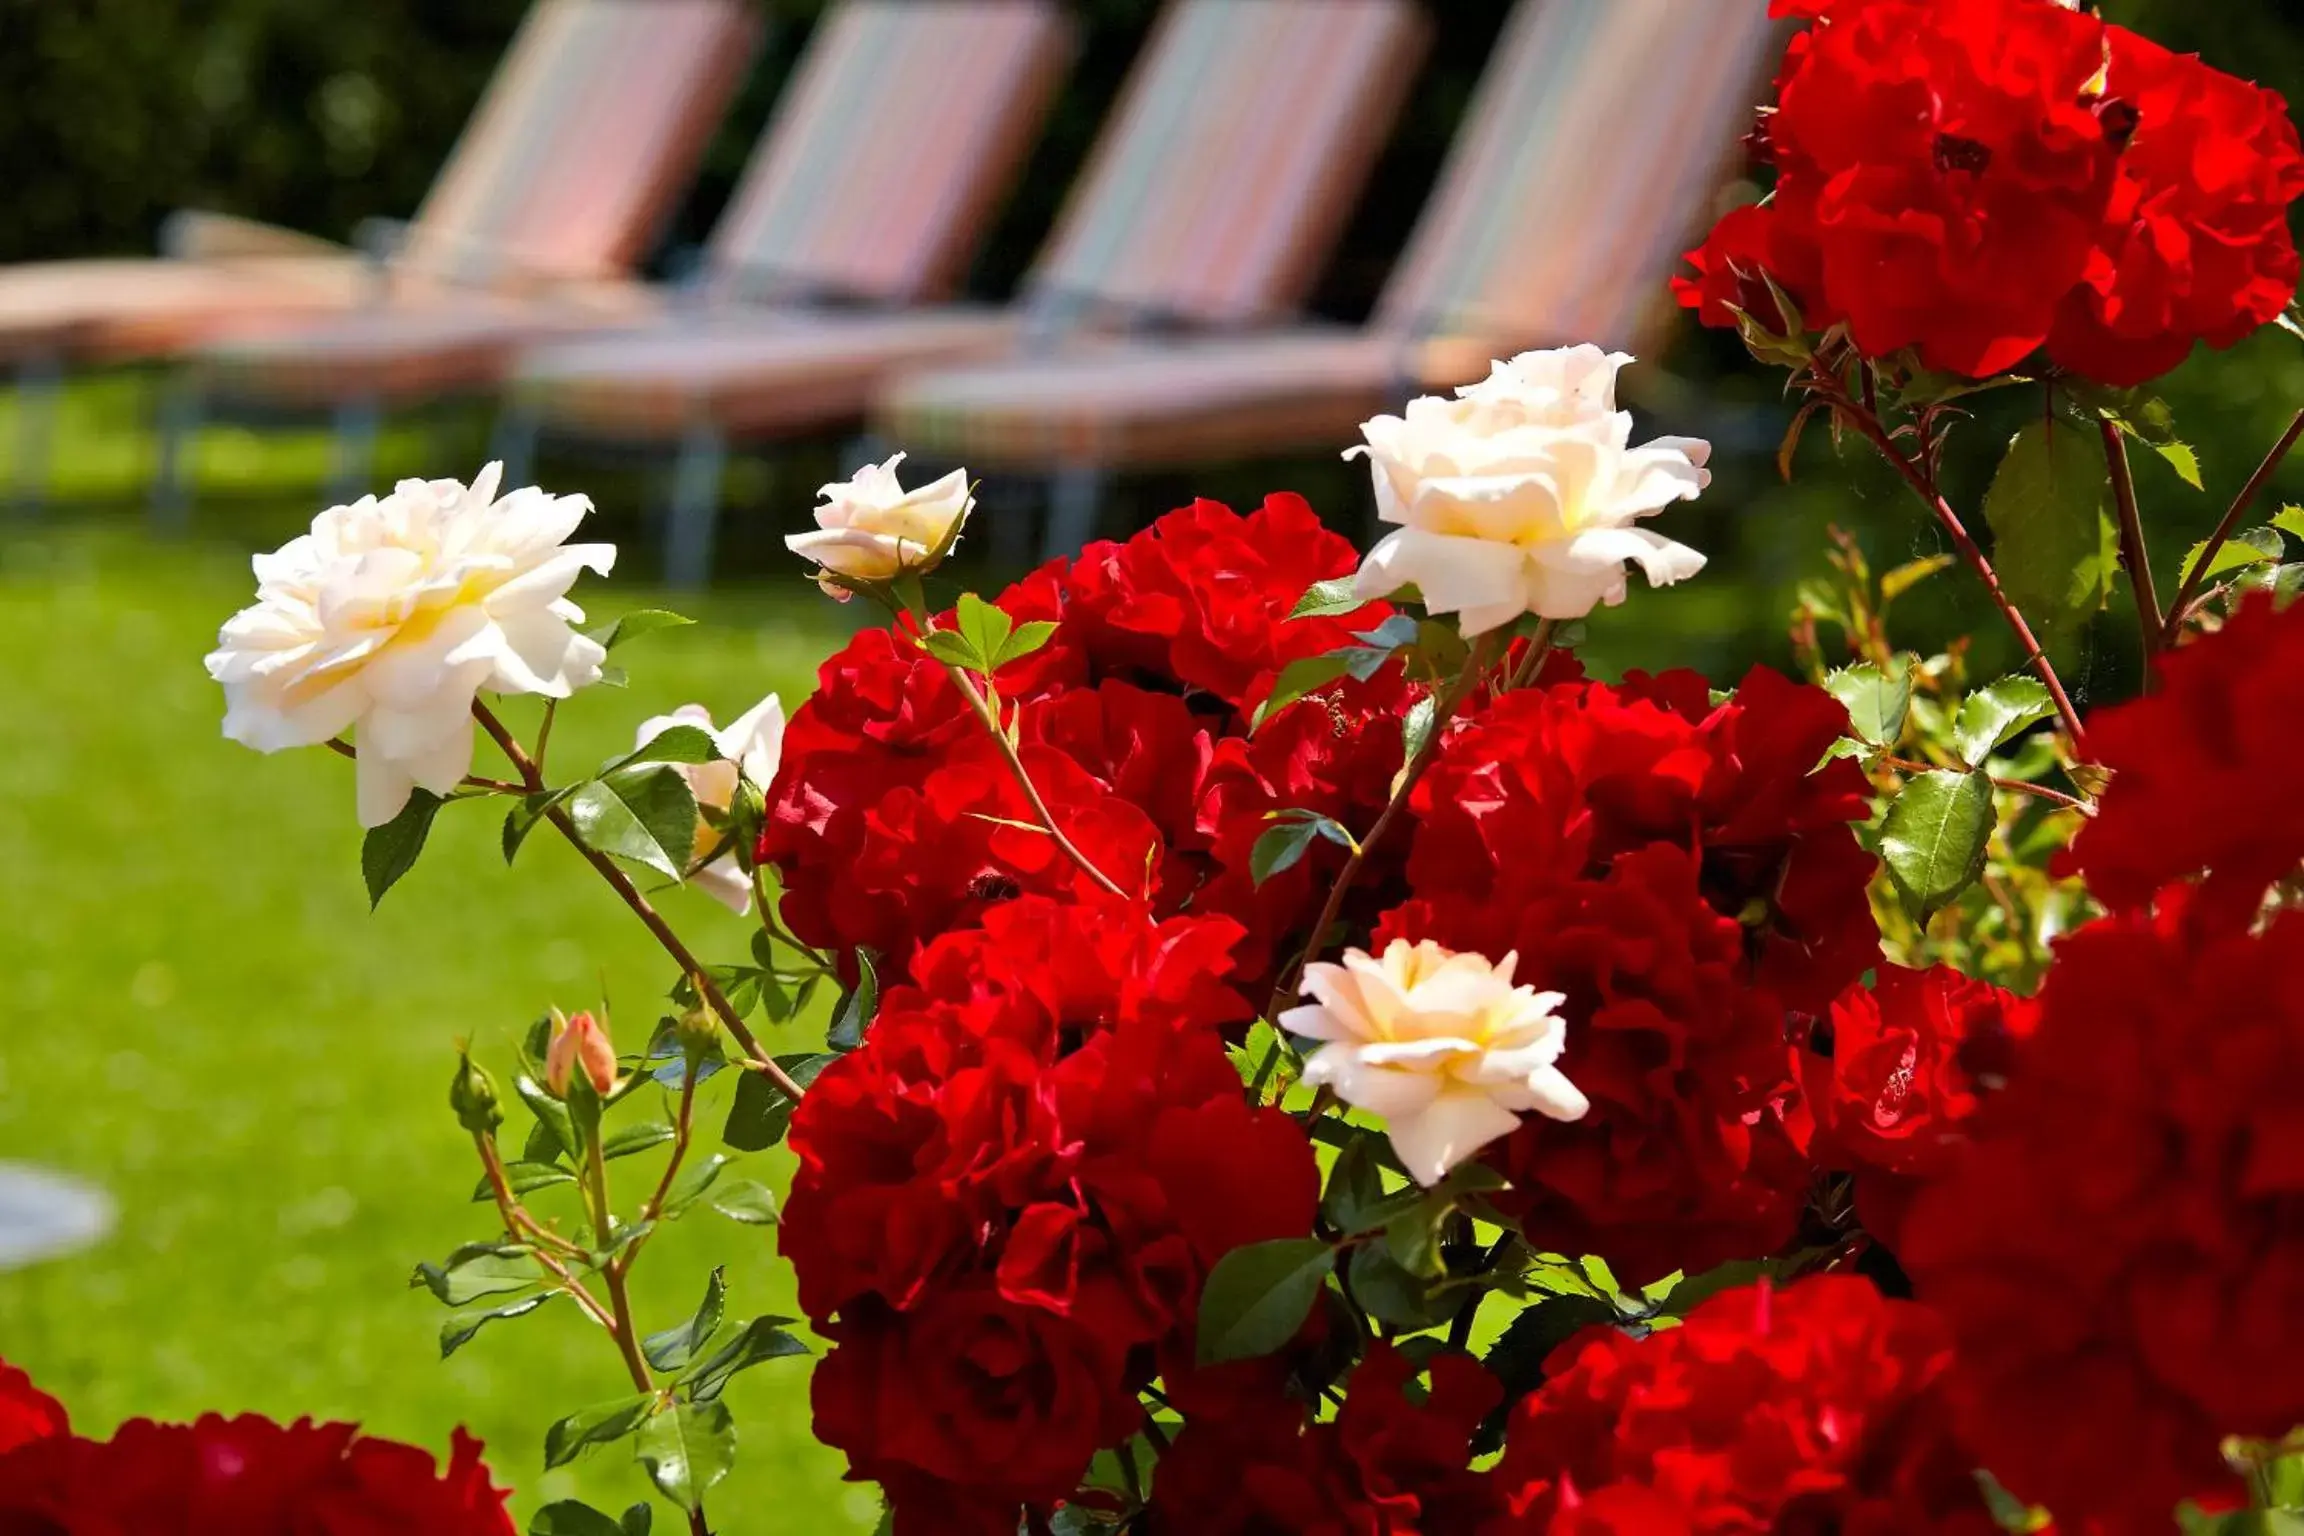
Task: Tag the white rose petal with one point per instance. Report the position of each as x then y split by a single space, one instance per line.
1517 495
872 529
753 746
1441 1046
394 614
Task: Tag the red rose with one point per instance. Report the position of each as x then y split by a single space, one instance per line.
1776 238
2195 245
26 1412
968 1407
2196 769
1895 1074
245 1477
1386 1465
1814 1408
1199 601
2120 1251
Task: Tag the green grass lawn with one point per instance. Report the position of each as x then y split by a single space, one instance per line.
202 1016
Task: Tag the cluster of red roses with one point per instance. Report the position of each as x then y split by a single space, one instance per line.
228 1477
1974 179
1009 1197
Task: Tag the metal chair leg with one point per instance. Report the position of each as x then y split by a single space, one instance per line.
183 408
1075 502
512 442
39 384
695 506
352 458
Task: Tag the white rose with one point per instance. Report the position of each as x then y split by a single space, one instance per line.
1518 495
393 615
752 745
1441 1045
872 529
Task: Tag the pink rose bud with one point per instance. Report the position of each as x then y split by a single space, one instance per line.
579 1042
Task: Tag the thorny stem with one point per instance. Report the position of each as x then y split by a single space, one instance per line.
1483 652
1923 485
345 749
2132 551
2055 797
532 780
2190 590
517 1221
683 1127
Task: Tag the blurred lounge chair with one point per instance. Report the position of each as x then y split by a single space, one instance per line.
1597 140
1211 199
595 119
905 122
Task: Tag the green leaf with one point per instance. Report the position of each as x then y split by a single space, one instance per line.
1257 1296
477 1270
1029 637
458 1331
1416 728
679 744
1877 699
555 1130
2052 540
629 1139
1392 1294
2183 460
1379 645
952 647
985 628
1356 1201
1910 574
597 1425
570 1517
854 1015
631 626
645 813
390 851
1934 838
523 817
698 1177
1694 1290
1329 599
1298 678
675 1347
1991 715
524 1178
761 1114
762 1339
1279 849
688 1448
748 1201
2250 546
2290 520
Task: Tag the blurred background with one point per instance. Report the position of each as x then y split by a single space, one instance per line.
198 1015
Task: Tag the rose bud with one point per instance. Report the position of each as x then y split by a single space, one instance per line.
579 1042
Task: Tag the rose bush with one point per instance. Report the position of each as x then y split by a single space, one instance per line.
1301 1054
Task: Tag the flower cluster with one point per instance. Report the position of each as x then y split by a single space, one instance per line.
1009 1197
1820 1407
1678 871
248 1476
895 818
1976 179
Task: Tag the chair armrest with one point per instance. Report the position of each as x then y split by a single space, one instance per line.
199 234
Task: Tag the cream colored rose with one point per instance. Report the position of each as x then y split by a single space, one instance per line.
753 746
392 615
1518 495
872 529
1441 1046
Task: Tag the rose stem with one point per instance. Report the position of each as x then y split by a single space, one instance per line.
1924 487
2189 592
1483 652
1539 647
2132 551
622 885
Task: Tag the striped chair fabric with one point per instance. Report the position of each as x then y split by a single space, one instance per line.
873 180
1598 134
1209 199
591 125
